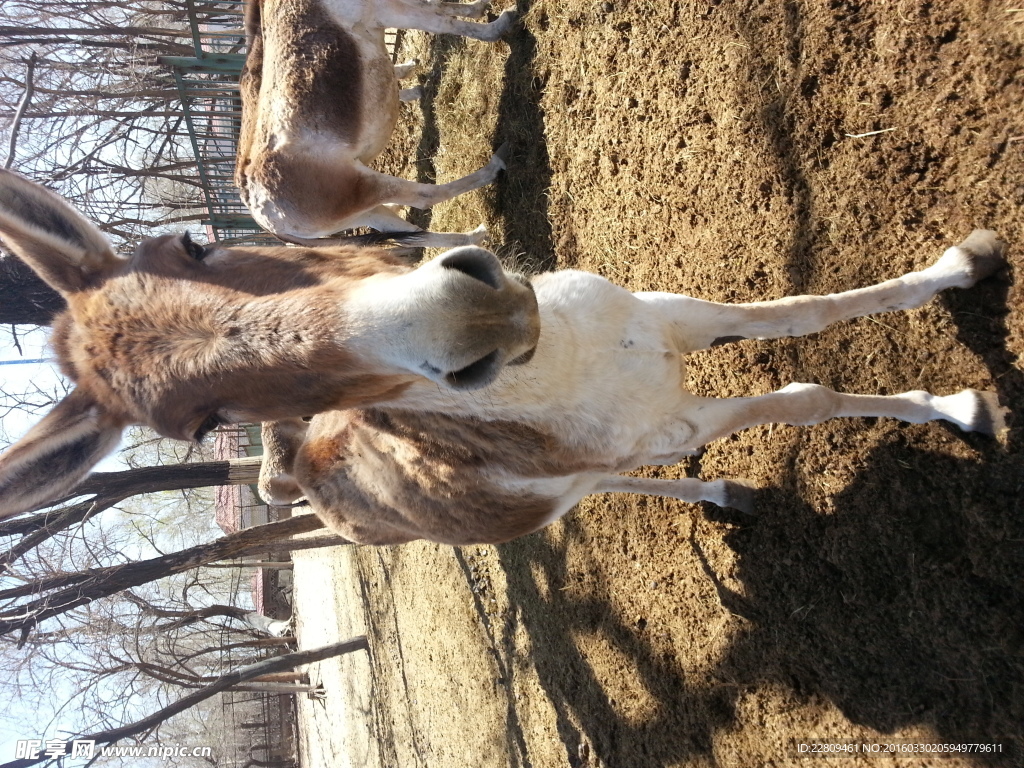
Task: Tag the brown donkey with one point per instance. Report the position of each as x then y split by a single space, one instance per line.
320 101
451 402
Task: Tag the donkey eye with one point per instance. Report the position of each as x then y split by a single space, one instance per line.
209 424
195 250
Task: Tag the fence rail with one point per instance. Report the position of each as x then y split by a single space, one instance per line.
207 86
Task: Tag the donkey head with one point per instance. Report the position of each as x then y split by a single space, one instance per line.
183 338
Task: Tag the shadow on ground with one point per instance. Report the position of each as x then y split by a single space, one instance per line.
521 202
893 609
903 608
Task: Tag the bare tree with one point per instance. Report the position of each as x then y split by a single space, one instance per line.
63 592
148 628
92 110
223 683
108 489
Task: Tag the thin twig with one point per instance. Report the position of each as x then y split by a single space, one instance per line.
17 344
22 109
869 133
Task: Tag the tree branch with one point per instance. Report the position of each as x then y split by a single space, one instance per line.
22 107
65 592
267 666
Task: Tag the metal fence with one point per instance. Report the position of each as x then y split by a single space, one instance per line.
212 113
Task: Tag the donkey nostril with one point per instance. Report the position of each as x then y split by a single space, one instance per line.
475 375
524 358
475 262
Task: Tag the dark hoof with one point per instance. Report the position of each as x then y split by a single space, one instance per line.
989 417
739 495
986 249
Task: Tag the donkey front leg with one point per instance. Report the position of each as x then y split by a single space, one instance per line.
700 324
406 68
735 494
411 94
804 404
281 441
403 71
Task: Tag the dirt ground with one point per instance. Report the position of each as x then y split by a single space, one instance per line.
734 151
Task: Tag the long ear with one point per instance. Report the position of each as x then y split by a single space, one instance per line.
55 455
63 248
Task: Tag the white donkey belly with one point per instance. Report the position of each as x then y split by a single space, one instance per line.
627 400
358 16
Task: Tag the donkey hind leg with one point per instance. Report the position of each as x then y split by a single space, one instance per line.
411 94
475 10
803 404
700 324
735 494
383 219
395 191
406 68
440 18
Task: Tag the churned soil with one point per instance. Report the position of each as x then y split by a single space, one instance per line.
732 150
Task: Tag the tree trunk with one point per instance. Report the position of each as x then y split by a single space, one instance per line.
65 592
131 482
277 687
110 488
269 564
27 299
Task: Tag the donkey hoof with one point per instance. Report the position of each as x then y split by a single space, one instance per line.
500 156
479 236
478 9
739 495
985 249
973 411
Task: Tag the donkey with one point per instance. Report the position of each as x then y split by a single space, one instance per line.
453 401
320 100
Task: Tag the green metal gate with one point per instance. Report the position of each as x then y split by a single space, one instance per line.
212 114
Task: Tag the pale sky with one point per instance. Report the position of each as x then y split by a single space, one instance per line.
17 378
20 378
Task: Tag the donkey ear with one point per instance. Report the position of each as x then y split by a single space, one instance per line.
63 248
56 454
